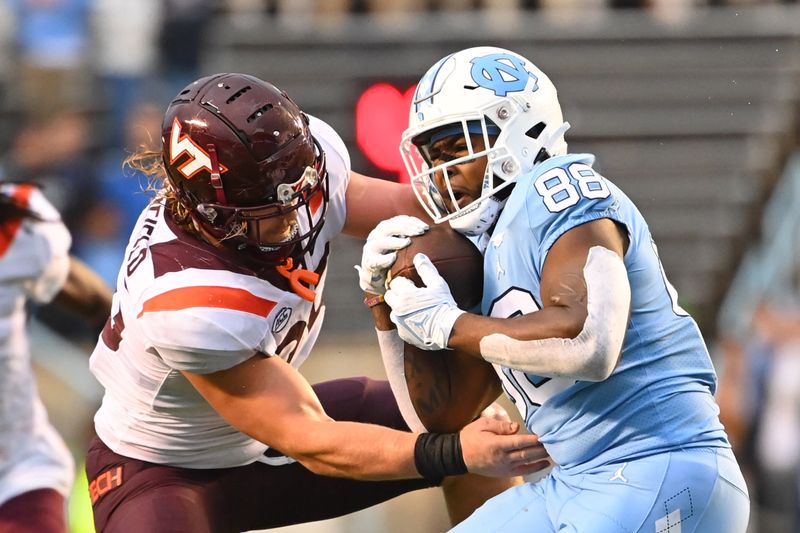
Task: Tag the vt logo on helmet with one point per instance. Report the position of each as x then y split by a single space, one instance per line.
241 159
502 73
183 144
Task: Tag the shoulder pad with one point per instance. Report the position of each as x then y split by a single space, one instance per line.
204 328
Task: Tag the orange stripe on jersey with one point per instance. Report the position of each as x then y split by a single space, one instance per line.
315 201
220 297
21 196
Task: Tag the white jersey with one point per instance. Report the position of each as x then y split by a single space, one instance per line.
184 305
34 263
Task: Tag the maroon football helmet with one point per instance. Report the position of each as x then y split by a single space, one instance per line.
238 151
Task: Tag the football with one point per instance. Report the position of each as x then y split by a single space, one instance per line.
448 388
458 261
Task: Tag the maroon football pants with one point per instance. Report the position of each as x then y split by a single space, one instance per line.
37 511
132 495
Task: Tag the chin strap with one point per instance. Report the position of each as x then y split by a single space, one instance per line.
297 276
216 175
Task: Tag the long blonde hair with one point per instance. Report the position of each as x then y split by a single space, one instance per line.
148 162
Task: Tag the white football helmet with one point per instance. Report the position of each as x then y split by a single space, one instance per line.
486 91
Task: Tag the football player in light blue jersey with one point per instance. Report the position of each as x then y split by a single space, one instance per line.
578 318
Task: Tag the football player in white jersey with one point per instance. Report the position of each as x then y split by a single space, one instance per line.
578 318
36 468
205 423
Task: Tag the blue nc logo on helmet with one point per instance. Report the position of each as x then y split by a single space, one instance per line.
502 73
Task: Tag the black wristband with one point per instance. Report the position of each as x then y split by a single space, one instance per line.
437 455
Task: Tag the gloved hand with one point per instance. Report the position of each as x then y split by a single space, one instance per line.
424 315
380 250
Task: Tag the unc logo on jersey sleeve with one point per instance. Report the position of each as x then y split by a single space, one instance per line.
502 73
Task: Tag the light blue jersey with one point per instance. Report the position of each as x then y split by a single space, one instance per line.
660 396
696 490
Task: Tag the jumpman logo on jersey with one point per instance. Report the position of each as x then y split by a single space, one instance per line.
500 270
618 474
496 241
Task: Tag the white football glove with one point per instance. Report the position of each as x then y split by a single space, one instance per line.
424 315
380 250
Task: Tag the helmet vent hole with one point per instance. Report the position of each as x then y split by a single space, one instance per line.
237 94
543 155
185 91
535 131
258 112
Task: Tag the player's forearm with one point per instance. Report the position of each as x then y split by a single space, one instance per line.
85 293
551 322
592 355
327 447
371 200
380 314
394 363
543 348
354 450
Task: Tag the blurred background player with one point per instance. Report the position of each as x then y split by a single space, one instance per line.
577 315
219 300
36 468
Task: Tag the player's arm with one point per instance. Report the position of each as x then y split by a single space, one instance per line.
370 200
577 334
579 331
392 348
434 391
268 400
85 293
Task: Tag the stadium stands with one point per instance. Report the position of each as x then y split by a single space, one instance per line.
692 119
